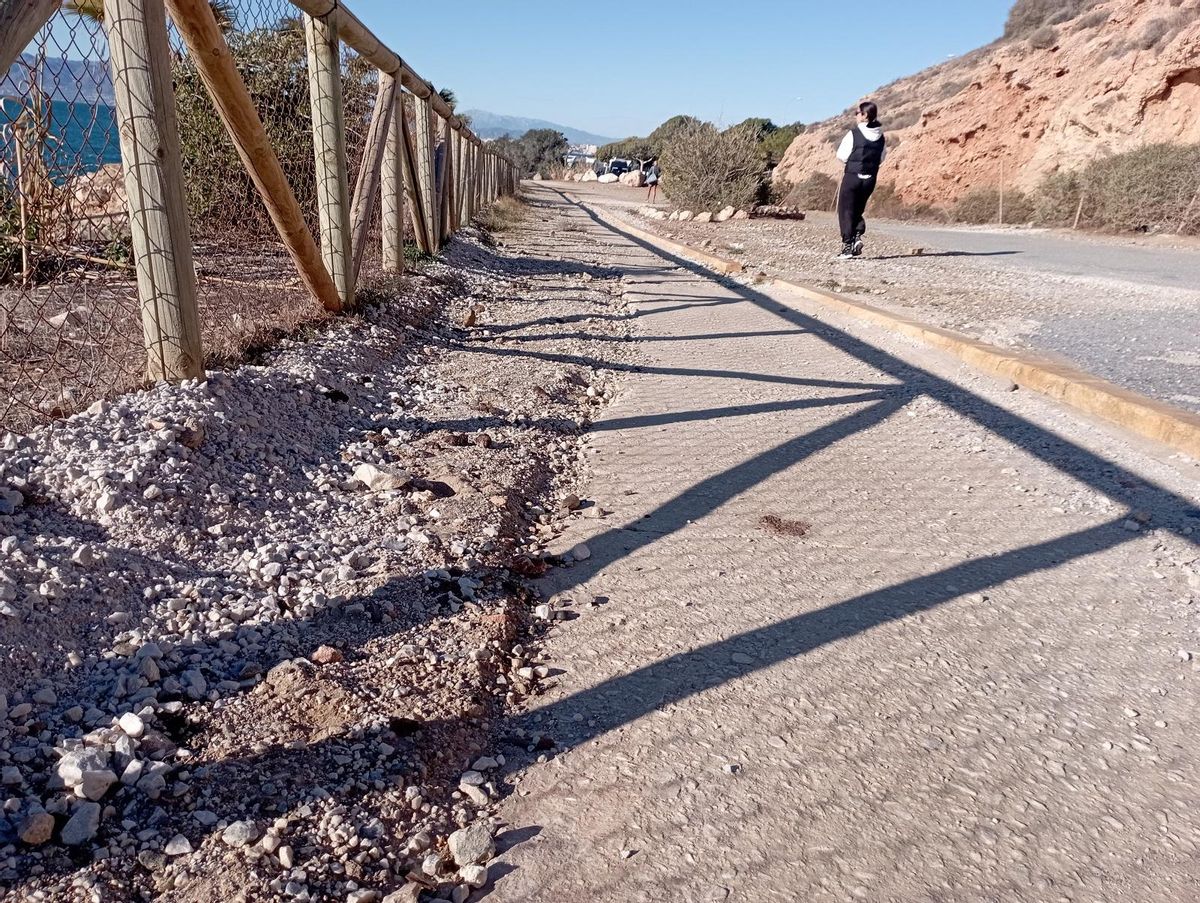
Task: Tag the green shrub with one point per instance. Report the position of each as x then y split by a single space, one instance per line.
271 61
706 169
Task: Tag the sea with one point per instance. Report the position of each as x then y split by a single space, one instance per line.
83 136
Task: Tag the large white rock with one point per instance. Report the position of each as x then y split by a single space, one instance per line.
382 479
589 176
472 845
132 725
704 217
725 215
608 178
634 179
78 762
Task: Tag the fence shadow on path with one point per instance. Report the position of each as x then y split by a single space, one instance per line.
595 711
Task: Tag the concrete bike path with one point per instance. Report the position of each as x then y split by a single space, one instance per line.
854 629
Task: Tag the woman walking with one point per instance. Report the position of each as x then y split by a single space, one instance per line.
652 178
863 151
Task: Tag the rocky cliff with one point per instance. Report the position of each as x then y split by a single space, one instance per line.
1122 74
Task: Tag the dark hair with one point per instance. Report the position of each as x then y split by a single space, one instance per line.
870 110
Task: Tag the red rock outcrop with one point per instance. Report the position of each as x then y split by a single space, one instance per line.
1017 112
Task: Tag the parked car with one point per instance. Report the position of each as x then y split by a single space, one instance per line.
619 167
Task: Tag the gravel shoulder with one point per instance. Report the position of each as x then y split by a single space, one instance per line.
259 631
1115 309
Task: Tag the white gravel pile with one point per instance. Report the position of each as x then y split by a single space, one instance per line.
233 610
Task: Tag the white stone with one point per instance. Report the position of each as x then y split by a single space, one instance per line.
474 875
132 725
472 845
178 846
240 833
382 479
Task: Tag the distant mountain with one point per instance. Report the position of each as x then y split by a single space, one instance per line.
72 81
493 125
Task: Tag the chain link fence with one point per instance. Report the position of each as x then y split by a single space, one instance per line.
70 322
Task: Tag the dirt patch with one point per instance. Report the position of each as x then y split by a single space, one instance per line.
782 527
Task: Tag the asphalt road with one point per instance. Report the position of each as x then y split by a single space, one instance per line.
1052 252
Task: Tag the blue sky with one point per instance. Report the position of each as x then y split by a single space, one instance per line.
620 69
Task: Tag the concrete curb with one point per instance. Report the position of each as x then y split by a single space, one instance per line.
722 265
1147 417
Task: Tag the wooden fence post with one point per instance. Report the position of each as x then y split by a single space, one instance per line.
153 171
446 184
20 21
455 177
412 184
462 173
476 152
370 172
329 148
209 52
392 185
423 137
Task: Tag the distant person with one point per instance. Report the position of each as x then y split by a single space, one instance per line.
653 174
863 151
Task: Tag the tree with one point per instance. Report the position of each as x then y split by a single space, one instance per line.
542 149
775 145
629 149
662 136
758 127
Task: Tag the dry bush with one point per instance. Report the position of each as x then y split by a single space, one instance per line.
886 203
1148 189
1094 19
1152 34
981 206
1027 16
502 216
1056 199
902 118
1044 38
949 89
779 190
706 169
817 192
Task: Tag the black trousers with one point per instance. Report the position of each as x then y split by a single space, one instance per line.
852 204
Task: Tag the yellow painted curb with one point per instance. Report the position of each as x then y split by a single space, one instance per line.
1139 414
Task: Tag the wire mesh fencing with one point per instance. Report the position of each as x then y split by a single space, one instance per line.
70 322
69 314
